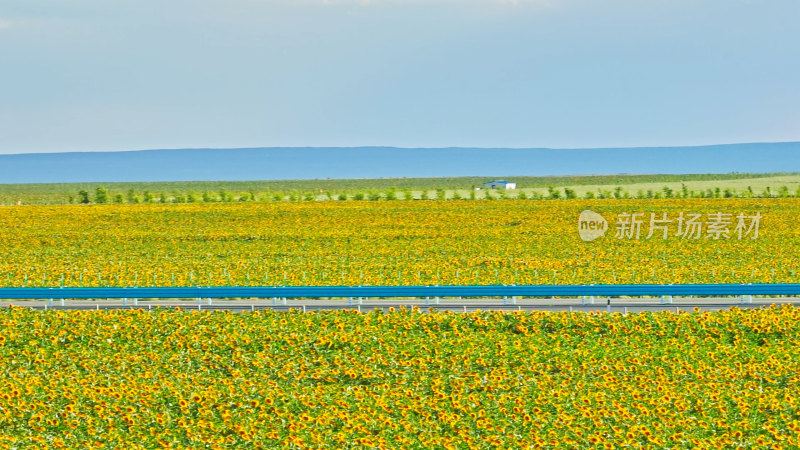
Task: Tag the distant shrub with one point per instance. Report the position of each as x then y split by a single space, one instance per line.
358 196
588 195
342 197
225 196
101 195
83 197
208 198
569 193
119 198
148 197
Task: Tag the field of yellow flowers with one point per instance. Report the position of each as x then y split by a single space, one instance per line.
390 243
402 379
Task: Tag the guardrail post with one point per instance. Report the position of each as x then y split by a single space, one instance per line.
513 299
583 302
284 300
124 302
135 302
274 301
437 300
62 302
209 300
50 303
349 301
591 300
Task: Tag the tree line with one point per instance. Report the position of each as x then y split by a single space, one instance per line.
101 195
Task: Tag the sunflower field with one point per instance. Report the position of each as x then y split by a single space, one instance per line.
401 379
397 243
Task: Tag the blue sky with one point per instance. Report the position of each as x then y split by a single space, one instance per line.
90 75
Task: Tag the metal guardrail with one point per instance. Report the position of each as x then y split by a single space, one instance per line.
615 290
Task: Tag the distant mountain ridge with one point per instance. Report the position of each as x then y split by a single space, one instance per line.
286 163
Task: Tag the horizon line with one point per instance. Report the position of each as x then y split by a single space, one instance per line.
399 148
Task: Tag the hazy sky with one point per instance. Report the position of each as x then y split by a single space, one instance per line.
79 75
